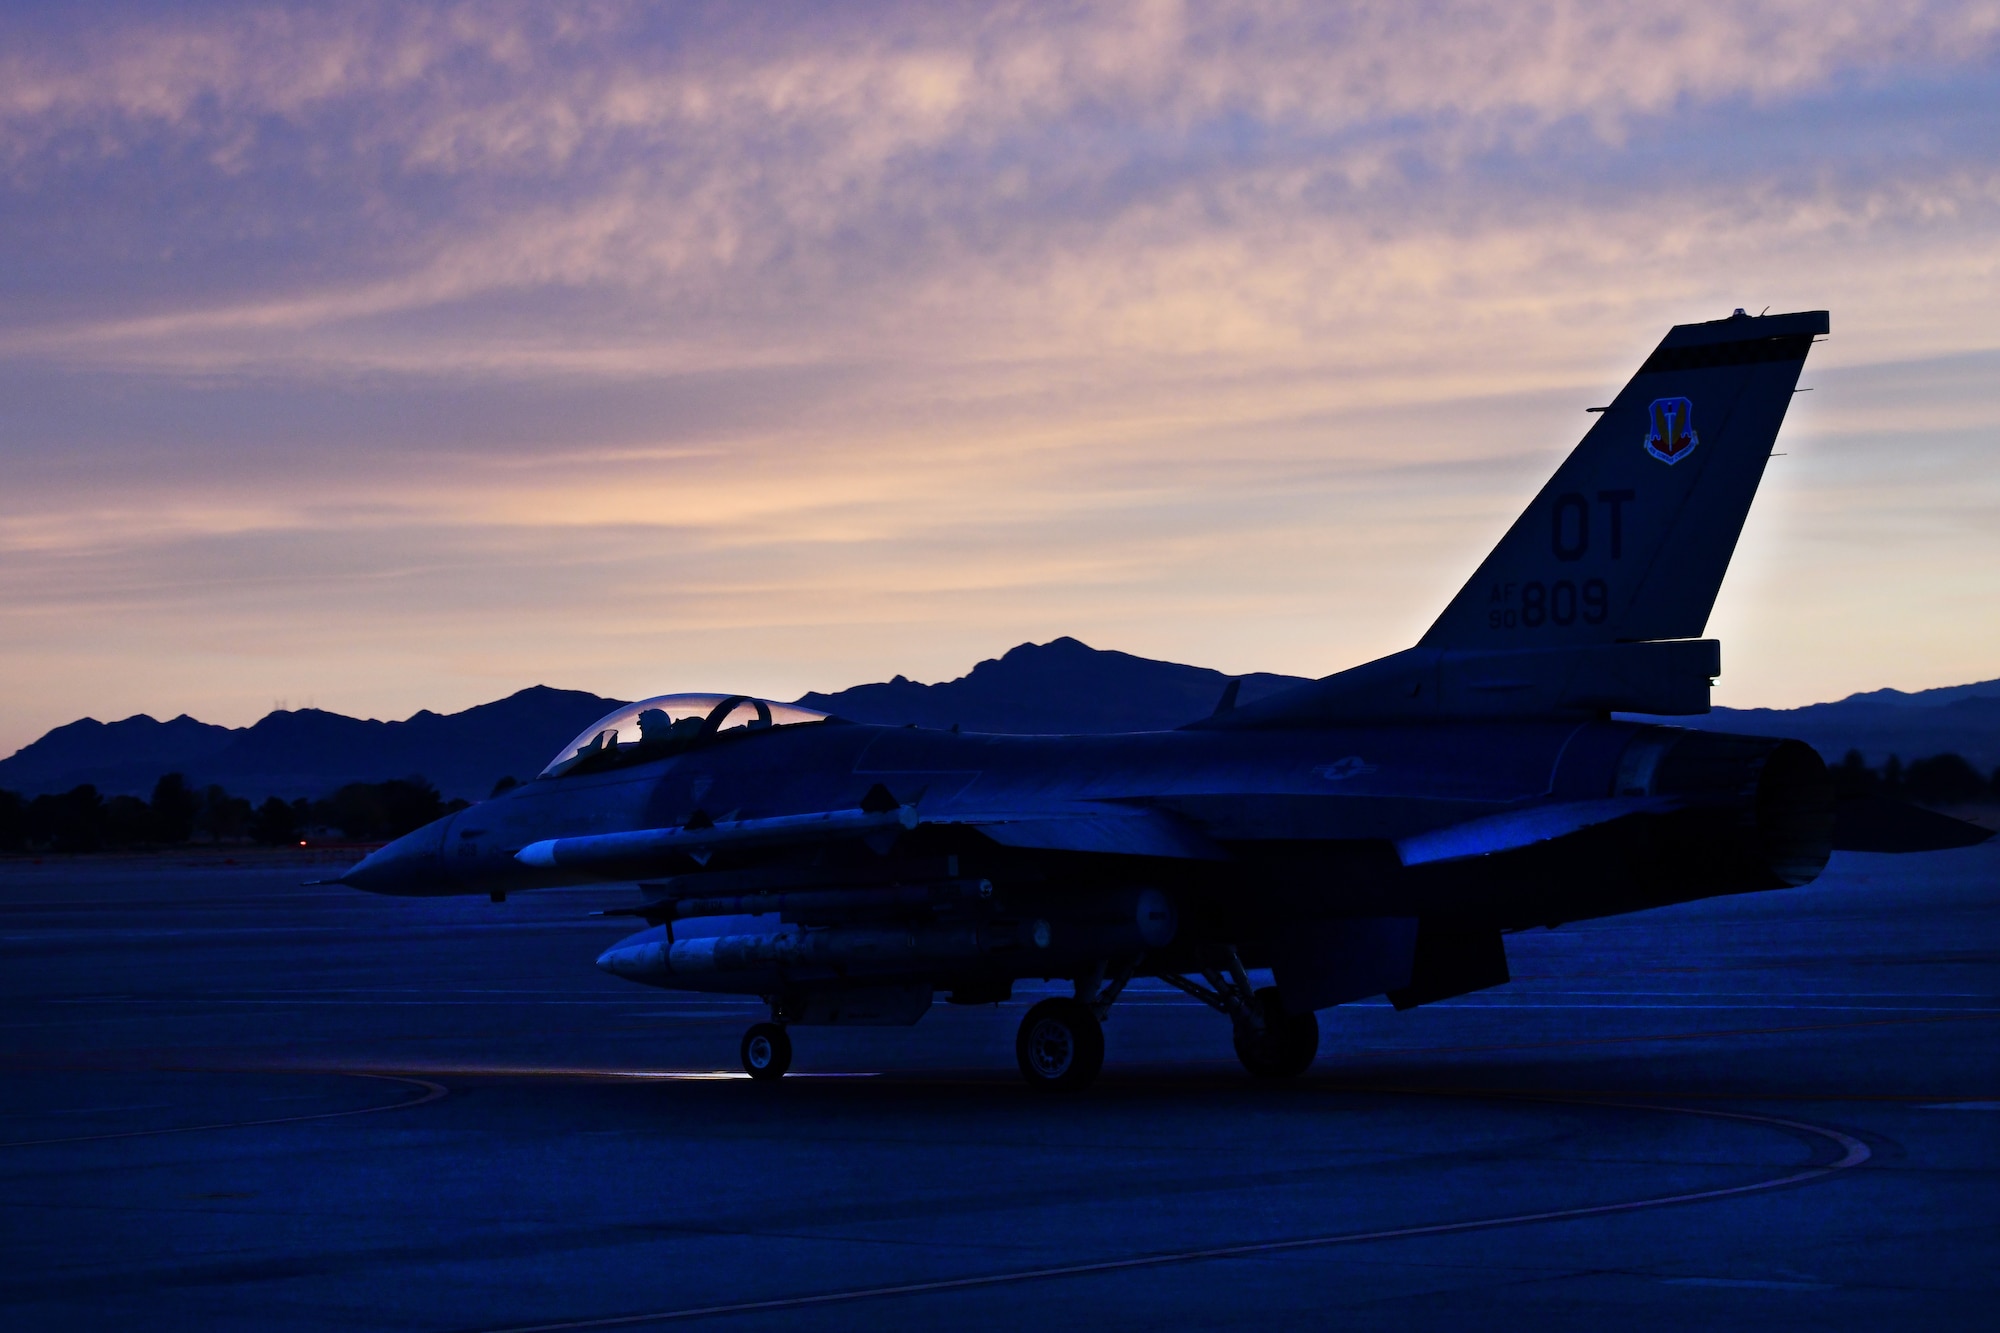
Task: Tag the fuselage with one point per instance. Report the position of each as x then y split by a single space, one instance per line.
1239 787
1305 816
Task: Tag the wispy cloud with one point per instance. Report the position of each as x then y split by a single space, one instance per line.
904 332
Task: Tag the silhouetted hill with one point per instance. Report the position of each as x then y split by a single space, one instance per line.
1061 687
1962 719
1058 687
310 752
117 755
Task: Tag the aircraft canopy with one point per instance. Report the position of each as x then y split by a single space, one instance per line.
653 728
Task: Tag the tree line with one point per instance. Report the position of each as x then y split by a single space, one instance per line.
1942 779
83 819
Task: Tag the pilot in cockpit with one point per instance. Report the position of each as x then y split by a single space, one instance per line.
657 727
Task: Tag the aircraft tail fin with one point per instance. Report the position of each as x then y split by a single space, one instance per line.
1629 541
1596 598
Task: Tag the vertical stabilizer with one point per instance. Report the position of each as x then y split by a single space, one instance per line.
1595 600
1630 539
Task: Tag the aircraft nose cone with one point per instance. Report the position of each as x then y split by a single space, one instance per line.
409 865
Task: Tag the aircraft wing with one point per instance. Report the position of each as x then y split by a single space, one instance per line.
1095 826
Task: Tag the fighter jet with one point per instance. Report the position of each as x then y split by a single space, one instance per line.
1377 832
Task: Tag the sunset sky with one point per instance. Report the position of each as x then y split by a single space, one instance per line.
381 358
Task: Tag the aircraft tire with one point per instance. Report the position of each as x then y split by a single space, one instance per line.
1286 1046
1060 1046
767 1052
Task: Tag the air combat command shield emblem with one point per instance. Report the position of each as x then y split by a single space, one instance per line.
1672 437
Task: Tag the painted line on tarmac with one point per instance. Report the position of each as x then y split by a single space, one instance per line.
410 1072
1853 1153
658 1075
432 1092
706 1075
1590 1096
1703 1034
1749 1006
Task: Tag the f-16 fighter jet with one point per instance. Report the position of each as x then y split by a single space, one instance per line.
1377 832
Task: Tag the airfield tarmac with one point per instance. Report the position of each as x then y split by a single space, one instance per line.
231 1102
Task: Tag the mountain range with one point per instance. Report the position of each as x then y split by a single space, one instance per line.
1062 686
309 751
1957 719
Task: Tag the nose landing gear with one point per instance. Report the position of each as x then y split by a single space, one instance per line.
767 1052
1060 1046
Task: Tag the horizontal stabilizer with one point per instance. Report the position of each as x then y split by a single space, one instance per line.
1524 828
1878 824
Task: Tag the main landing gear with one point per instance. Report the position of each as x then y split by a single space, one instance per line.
1286 1045
767 1052
1270 1042
1060 1044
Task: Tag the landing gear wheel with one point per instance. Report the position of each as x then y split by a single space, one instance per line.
1287 1044
1060 1046
767 1052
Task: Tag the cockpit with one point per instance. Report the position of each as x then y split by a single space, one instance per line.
656 728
